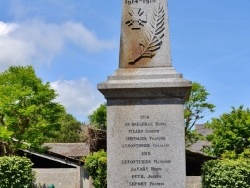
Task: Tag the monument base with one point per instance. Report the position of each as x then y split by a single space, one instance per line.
145 134
145 83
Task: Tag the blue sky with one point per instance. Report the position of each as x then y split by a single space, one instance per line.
74 45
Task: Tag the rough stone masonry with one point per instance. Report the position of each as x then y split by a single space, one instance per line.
145 103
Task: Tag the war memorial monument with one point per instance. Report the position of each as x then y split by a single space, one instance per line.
145 103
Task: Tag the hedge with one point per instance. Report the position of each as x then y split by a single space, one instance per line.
96 165
16 172
226 173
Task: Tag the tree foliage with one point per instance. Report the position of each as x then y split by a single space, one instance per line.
231 132
96 164
99 117
28 113
196 108
69 132
16 172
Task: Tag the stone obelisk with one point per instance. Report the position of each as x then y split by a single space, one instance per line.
145 103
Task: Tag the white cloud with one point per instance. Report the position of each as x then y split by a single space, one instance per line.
39 42
6 28
79 97
80 35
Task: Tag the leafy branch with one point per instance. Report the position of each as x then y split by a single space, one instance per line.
152 38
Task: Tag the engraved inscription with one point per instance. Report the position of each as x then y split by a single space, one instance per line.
146 153
138 176
160 124
137 183
154 176
160 145
156 184
157 138
144 117
147 167
136 138
133 124
140 131
162 161
135 145
129 2
151 131
156 169
135 131
139 169
136 161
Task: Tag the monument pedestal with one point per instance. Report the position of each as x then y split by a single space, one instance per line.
145 127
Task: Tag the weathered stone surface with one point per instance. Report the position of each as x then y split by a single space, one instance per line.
145 145
193 182
145 98
145 34
145 136
145 82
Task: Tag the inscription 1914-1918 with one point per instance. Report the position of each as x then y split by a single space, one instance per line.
129 2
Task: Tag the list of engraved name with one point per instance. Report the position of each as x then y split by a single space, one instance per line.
148 142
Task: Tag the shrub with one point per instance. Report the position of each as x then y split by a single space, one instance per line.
96 165
16 172
226 173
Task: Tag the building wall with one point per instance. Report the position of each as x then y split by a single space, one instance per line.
78 178
63 177
193 182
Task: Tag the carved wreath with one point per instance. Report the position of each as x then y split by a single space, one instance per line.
152 39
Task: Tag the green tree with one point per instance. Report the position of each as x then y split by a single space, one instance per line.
99 117
196 108
70 130
28 113
231 132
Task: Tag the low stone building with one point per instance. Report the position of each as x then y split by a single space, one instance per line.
60 165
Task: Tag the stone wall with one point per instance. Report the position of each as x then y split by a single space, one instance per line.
193 182
63 177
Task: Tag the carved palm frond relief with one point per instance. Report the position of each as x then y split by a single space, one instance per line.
152 39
